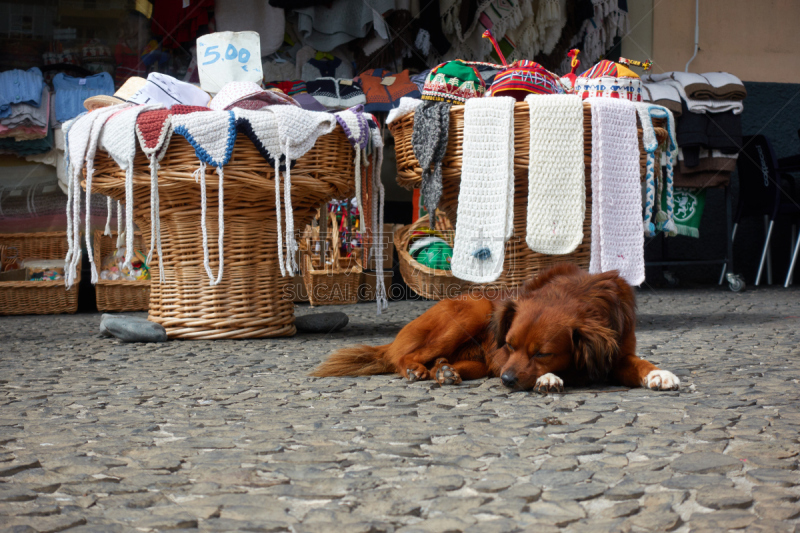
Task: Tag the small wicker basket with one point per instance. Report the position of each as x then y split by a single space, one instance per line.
119 295
336 283
430 283
38 297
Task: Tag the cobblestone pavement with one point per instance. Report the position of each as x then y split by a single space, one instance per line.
233 435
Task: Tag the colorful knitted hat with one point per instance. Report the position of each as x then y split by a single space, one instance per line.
524 77
455 82
290 87
521 78
247 95
609 80
568 79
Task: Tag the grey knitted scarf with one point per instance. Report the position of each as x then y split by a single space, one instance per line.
429 140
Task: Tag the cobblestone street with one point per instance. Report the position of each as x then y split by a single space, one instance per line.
101 436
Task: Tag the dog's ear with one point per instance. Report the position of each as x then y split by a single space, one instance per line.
594 347
502 317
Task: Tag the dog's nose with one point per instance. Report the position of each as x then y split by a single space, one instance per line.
509 378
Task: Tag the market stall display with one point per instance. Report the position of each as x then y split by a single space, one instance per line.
119 288
247 301
520 262
35 294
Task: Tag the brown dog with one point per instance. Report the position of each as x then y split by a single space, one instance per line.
566 326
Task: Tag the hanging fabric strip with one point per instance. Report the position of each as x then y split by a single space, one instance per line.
107 231
278 214
88 235
120 231
291 244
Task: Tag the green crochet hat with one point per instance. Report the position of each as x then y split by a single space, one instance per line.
454 82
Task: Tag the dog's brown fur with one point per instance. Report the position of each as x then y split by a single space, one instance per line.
577 326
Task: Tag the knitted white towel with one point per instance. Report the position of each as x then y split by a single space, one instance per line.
486 199
285 134
83 135
556 178
298 131
617 233
212 134
407 105
118 138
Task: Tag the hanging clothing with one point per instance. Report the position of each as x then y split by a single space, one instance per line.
20 87
72 92
178 24
252 15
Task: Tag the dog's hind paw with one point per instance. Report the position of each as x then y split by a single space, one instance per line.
662 380
444 374
549 383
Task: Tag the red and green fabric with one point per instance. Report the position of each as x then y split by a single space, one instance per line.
524 77
455 82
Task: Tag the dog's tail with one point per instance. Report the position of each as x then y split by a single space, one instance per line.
358 360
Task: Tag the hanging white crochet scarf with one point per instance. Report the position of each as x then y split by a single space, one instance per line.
378 196
118 138
82 138
212 134
617 236
666 221
556 178
298 131
286 134
354 123
486 198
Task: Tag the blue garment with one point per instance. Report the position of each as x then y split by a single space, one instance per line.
71 93
20 87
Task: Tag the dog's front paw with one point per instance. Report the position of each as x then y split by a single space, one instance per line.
416 372
662 380
444 374
549 383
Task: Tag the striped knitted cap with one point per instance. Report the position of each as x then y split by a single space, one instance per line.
290 87
609 69
524 77
455 82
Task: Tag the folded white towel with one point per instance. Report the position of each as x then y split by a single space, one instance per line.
617 231
407 105
686 83
486 198
556 178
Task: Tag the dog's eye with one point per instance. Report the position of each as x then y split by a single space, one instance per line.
510 347
537 354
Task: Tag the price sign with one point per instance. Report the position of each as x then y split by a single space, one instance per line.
228 56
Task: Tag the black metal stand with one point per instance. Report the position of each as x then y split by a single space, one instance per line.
735 282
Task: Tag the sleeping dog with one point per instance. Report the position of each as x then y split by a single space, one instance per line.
565 327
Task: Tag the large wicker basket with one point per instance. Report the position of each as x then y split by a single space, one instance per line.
119 295
430 283
250 301
38 297
520 263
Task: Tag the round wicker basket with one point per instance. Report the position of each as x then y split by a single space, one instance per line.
430 283
251 300
521 263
